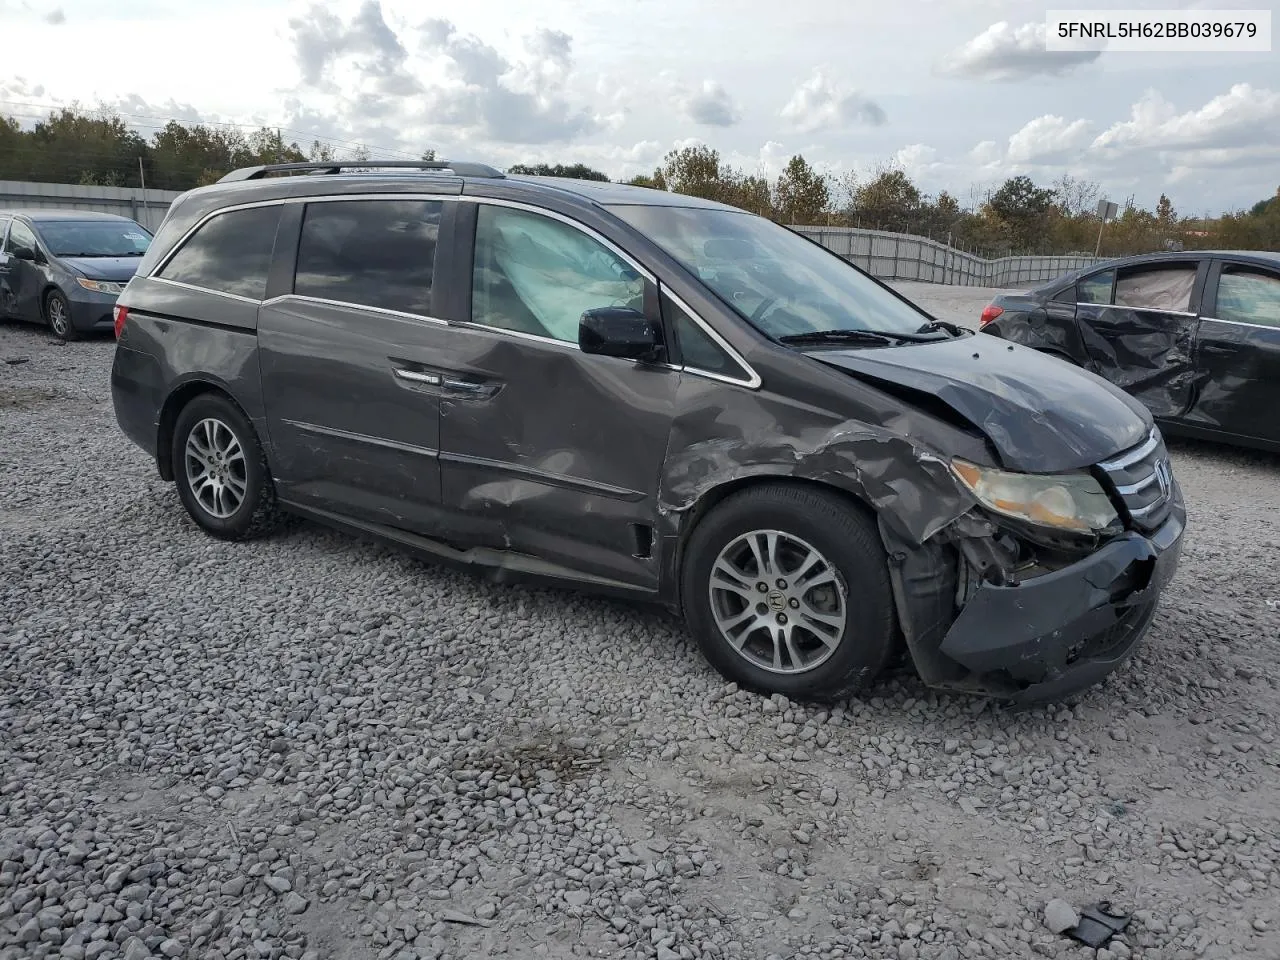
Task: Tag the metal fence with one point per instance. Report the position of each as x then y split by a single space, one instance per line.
147 208
889 256
902 256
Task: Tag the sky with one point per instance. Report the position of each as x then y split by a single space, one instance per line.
961 94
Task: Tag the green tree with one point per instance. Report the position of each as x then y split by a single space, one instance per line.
1024 210
889 201
801 195
694 171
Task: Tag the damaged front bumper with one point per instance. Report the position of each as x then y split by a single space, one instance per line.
1042 638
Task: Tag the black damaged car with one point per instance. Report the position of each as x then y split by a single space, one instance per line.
653 396
1194 336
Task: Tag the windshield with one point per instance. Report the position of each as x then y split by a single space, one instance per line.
774 278
94 238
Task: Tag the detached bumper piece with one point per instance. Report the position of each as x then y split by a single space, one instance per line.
1061 632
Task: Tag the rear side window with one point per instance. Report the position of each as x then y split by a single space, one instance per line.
1157 288
374 253
231 253
1249 296
1097 288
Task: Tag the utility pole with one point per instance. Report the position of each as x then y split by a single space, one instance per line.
142 179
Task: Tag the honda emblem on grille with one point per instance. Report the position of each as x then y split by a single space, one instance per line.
1163 477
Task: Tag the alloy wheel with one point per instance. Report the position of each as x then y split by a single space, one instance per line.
215 468
777 601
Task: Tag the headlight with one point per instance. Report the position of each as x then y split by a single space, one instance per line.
1069 501
100 286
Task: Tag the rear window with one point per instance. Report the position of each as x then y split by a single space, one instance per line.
372 253
230 254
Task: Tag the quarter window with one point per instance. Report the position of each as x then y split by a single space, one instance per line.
1157 288
698 351
1249 296
537 275
231 253
375 253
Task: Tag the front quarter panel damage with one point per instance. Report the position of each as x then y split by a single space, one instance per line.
944 552
726 434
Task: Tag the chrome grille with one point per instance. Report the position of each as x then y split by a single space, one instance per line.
1142 481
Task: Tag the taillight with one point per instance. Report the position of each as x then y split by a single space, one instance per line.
121 314
989 314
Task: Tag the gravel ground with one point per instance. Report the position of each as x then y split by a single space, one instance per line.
312 747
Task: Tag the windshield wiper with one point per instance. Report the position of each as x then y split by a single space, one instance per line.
838 336
934 325
881 337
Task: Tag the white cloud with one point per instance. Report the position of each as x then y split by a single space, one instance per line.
1004 52
986 154
1244 117
711 105
820 103
433 83
1048 139
916 159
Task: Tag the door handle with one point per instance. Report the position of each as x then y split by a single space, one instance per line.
417 376
469 388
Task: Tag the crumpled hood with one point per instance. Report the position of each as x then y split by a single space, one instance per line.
119 269
1043 415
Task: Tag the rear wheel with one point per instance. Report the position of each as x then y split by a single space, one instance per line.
57 314
221 471
786 589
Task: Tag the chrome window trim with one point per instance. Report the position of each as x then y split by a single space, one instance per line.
182 241
753 381
1245 323
347 304
208 290
1121 306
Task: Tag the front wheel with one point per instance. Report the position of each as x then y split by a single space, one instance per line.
221 472
786 589
57 314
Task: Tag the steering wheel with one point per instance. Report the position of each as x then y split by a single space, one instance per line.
761 310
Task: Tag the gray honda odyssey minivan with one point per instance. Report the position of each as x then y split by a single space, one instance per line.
654 396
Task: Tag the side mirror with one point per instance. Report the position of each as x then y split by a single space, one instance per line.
620 332
23 253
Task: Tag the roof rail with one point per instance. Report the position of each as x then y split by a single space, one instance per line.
461 168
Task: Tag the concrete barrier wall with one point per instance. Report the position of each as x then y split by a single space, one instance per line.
901 256
147 209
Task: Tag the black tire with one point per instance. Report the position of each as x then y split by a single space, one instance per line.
847 540
57 314
256 512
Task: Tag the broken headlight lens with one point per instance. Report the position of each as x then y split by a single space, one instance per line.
1068 501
